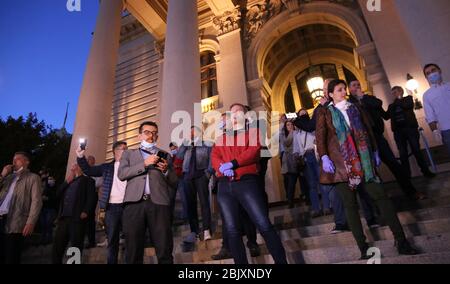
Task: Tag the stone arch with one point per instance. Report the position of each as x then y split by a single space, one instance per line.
307 14
321 56
210 45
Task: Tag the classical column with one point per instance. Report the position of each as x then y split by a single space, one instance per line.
181 74
95 101
230 72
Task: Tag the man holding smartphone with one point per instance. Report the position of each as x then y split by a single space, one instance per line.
150 191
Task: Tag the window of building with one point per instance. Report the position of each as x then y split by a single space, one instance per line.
208 75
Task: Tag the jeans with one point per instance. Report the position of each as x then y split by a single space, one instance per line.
184 213
312 177
446 139
46 220
289 185
113 223
388 157
383 203
410 136
246 192
336 203
192 188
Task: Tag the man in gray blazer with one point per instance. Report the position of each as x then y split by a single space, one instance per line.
20 205
150 192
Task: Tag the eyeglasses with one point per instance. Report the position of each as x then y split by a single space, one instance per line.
148 132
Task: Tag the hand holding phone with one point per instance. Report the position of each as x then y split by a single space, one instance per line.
83 143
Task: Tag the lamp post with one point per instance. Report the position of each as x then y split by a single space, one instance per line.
412 85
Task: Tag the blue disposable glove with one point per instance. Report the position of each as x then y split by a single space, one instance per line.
229 173
224 167
376 157
327 165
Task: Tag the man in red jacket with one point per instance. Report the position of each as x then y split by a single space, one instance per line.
235 158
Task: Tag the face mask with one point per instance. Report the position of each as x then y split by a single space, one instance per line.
19 170
51 183
435 78
174 152
147 145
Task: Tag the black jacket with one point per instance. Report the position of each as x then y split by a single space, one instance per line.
85 198
407 104
374 109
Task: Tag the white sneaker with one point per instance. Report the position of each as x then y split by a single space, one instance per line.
103 244
206 235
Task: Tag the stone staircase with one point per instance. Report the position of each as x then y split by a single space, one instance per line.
308 241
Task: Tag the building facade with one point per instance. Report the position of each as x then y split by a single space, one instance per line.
150 58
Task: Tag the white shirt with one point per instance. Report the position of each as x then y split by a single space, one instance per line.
342 107
118 187
300 146
4 208
437 105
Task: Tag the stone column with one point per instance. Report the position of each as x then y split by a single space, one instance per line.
95 101
295 94
230 72
181 74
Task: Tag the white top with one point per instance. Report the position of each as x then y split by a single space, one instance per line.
4 208
300 146
118 187
437 105
342 107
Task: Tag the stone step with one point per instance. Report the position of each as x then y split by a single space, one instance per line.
427 258
293 242
342 254
323 225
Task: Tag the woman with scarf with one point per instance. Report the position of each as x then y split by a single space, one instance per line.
349 158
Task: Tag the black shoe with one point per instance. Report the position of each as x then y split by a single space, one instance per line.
254 251
363 251
373 224
429 175
327 212
405 248
223 254
315 214
338 228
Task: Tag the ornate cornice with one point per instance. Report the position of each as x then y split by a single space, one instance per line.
227 22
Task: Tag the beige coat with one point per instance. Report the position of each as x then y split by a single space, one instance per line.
26 202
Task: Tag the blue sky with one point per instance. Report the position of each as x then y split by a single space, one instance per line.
43 54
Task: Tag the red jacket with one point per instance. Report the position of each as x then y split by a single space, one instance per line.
244 153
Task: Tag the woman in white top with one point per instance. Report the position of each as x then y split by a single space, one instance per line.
305 148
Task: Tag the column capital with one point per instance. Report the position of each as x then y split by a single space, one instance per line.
227 22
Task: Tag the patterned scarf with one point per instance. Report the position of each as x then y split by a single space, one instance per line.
354 145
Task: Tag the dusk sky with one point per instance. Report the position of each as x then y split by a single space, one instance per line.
43 54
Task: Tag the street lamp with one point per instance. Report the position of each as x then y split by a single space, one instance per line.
412 85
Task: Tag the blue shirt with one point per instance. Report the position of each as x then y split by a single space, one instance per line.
4 208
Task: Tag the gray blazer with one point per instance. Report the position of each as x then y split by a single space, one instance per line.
162 186
26 202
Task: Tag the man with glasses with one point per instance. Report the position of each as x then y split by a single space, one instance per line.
150 191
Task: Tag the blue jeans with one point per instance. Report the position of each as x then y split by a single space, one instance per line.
113 223
246 192
446 139
312 176
336 203
184 212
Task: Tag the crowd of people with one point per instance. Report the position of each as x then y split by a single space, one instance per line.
334 154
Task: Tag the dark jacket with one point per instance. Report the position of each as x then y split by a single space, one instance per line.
407 105
306 123
104 170
162 186
85 197
328 144
374 110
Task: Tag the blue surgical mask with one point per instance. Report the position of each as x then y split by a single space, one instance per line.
147 145
435 78
174 152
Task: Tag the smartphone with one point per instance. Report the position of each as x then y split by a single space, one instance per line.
162 155
291 115
83 143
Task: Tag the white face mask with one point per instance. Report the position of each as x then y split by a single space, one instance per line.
174 152
147 145
51 183
18 171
